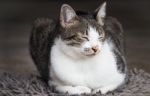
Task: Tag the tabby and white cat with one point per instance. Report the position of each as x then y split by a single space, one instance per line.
81 53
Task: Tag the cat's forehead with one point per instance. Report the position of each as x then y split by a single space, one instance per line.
93 23
84 24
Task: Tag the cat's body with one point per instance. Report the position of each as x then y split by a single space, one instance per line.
82 54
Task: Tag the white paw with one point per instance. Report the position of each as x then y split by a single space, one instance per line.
82 90
104 90
77 90
100 90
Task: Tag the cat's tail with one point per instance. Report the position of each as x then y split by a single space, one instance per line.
40 42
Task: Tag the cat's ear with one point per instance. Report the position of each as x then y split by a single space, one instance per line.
101 13
67 16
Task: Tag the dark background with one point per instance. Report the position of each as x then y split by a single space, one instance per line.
16 17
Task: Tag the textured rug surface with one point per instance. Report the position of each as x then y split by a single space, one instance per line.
19 85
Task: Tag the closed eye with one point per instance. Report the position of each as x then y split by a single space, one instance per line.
70 37
86 38
101 38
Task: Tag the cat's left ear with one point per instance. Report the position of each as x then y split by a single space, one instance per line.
68 16
101 13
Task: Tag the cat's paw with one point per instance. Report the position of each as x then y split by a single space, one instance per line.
104 90
99 90
82 89
77 90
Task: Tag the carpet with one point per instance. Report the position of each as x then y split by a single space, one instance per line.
21 85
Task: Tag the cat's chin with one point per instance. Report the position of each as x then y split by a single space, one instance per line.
88 55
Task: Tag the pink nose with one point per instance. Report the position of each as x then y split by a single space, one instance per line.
95 49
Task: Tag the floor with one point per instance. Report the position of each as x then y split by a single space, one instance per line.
16 19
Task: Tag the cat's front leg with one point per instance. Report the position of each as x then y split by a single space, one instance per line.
105 89
77 90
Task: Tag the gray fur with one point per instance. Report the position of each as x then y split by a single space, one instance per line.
41 40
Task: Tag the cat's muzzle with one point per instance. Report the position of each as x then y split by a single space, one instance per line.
91 51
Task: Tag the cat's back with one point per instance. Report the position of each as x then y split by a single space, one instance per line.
115 32
41 40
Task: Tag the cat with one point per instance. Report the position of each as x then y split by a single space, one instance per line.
81 53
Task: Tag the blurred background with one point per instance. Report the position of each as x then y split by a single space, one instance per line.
17 16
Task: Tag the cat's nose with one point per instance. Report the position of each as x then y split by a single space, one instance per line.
95 49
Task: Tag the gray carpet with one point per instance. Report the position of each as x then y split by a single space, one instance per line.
20 85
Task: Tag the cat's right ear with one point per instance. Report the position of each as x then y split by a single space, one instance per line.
101 13
68 16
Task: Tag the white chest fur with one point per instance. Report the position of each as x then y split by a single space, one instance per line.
94 72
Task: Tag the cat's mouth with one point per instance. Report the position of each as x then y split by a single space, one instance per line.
92 53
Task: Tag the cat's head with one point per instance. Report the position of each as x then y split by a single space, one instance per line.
82 33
